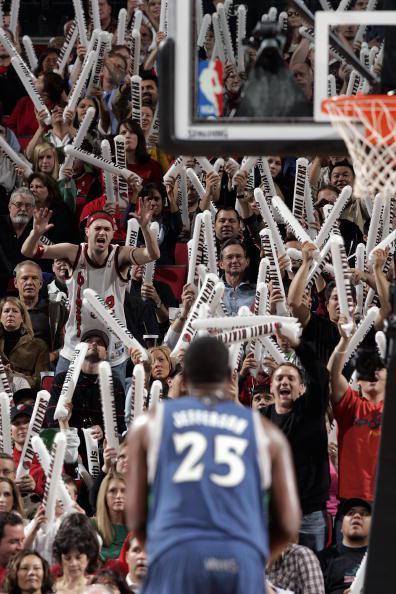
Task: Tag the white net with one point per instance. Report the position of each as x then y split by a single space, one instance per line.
367 125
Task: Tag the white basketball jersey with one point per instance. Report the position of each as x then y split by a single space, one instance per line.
107 281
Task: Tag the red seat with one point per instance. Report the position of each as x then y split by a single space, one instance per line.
181 254
174 276
47 380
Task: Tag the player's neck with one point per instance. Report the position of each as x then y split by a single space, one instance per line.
215 390
97 257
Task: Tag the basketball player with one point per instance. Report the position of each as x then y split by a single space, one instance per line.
202 473
97 265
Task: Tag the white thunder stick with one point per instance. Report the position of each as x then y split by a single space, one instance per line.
374 223
1 16
44 458
358 582
163 22
149 268
309 209
135 52
14 157
290 330
335 243
361 331
174 169
343 5
334 215
80 18
5 424
35 424
132 232
274 271
155 393
121 184
228 323
79 137
67 48
219 46
225 33
183 202
108 178
94 11
210 241
98 306
273 349
121 26
383 244
205 295
8 45
205 164
331 85
291 220
80 83
360 265
299 189
54 476
206 22
14 16
91 445
101 50
26 78
136 96
194 249
199 13
216 303
138 390
362 28
70 381
108 405
380 340
31 54
266 213
195 182
247 165
4 383
97 162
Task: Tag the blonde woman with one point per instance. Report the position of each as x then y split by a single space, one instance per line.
45 159
21 353
110 520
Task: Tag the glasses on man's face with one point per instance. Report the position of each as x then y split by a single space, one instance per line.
291 13
19 205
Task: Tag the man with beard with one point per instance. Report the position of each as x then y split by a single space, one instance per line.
234 263
340 563
86 408
14 229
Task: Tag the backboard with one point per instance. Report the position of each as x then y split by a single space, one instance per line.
271 112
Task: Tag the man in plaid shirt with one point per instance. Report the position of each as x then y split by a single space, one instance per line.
298 570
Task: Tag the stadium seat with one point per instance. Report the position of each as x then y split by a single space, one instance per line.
47 379
174 276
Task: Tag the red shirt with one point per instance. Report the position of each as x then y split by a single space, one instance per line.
35 471
359 433
23 121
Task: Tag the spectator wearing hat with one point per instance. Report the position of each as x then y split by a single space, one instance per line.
86 409
341 562
24 396
97 265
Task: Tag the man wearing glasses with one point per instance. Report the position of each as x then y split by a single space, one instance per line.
14 229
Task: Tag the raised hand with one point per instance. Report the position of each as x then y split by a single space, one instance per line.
144 215
41 217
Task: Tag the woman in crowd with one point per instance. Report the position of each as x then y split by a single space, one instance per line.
137 157
10 499
76 549
45 159
20 352
110 519
59 133
28 573
47 195
161 366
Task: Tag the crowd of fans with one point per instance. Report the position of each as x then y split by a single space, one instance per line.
59 235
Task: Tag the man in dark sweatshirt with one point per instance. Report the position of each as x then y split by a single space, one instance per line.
299 410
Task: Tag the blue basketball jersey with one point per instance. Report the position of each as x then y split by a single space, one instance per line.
208 469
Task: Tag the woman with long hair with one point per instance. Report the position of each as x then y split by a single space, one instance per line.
76 549
137 158
28 573
21 353
110 519
47 195
45 159
10 498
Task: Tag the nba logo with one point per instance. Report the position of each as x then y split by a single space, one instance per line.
210 89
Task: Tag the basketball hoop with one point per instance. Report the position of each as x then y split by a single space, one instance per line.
367 124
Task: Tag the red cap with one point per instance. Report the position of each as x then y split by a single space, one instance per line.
101 215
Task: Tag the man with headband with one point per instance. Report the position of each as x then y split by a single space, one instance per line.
97 265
